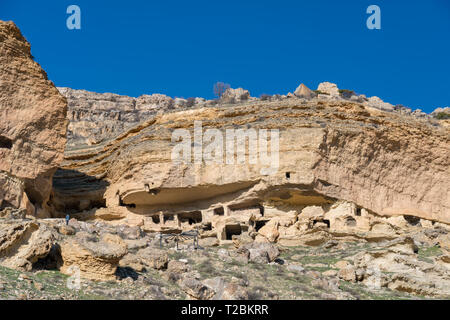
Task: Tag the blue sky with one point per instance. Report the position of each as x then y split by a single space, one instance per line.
181 48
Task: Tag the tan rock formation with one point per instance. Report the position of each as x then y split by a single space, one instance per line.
95 117
96 260
303 91
405 272
33 125
382 164
23 243
329 88
145 259
235 95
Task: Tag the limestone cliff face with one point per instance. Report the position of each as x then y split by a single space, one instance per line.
386 163
32 127
97 117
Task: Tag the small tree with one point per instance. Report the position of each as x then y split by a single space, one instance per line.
220 88
190 102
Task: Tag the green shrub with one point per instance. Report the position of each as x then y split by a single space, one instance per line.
442 116
265 97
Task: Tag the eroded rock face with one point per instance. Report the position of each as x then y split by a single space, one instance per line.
384 163
235 95
328 88
95 259
303 91
23 243
96 117
33 124
398 268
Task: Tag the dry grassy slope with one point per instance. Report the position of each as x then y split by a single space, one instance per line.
385 162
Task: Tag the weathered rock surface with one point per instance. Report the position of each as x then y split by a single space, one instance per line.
303 91
23 243
96 259
196 289
386 164
235 95
146 258
397 267
95 117
32 128
329 88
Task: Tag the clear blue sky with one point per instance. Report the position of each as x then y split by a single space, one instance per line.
181 48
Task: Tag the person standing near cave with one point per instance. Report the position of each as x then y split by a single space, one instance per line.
67 220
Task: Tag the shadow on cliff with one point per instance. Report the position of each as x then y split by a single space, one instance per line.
74 191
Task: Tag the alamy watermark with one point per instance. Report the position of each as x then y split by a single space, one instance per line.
214 147
73 22
374 20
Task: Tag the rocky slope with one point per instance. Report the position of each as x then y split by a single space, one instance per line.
123 262
32 128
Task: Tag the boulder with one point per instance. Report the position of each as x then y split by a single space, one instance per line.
235 95
146 258
97 259
23 243
270 230
329 88
177 266
260 252
303 91
196 289
66 230
348 273
224 290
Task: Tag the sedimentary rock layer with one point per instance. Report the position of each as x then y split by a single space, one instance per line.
387 163
32 127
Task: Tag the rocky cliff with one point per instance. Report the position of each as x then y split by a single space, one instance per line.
97 117
387 163
32 128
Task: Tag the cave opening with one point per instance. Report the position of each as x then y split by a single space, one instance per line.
155 219
326 221
231 230
259 224
169 217
5 142
219 211
193 217
350 222
412 220
207 226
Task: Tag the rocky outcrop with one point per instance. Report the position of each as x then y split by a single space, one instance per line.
23 243
32 128
303 91
398 268
95 117
329 89
235 95
96 259
384 163
376 102
145 259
